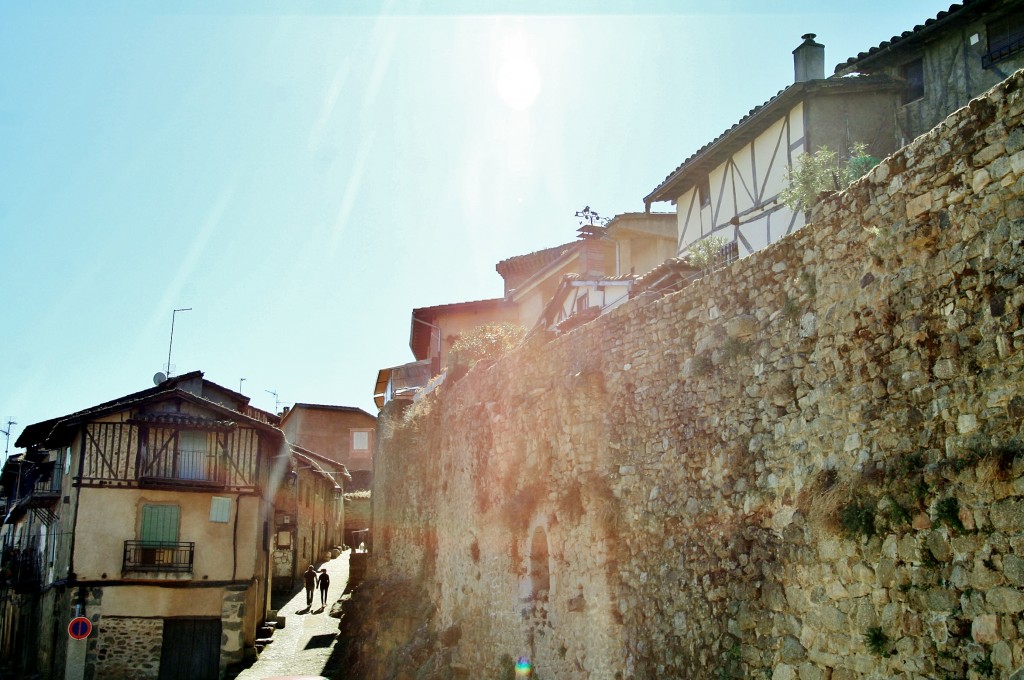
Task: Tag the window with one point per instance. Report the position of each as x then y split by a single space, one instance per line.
913 73
173 454
704 192
158 547
360 441
158 535
1005 38
220 509
192 455
159 524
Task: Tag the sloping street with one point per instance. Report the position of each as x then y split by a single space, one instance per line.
306 644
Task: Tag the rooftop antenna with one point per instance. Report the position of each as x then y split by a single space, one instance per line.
277 402
240 381
171 344
7 433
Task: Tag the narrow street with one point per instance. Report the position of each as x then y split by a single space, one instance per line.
306 645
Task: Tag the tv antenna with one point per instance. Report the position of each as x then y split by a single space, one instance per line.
171 344
7 433
277 401
240 381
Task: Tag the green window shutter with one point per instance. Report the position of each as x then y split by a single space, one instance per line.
160 523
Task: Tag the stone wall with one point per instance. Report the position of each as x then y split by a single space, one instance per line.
807 465
128 647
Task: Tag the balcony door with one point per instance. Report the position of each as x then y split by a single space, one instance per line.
158 532
192 455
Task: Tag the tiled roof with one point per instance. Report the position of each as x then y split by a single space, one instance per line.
324 407
531 262
47 432
969 8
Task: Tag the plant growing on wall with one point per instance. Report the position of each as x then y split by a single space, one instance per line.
704 253
490 341
824 172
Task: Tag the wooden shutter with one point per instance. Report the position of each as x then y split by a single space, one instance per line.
160 523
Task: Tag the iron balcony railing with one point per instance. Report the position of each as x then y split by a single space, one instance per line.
163 556
185 466
20 567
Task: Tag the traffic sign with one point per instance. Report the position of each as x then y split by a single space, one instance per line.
79 628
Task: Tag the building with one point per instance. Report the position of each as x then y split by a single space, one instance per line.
730 187
342 434
556 288
309 515
946 61
642 241
150 515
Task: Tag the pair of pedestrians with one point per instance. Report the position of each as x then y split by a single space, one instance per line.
312 580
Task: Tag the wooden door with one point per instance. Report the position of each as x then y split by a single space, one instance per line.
190 650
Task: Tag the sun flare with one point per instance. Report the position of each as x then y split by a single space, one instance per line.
517 78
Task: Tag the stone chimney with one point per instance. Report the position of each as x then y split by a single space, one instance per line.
808 60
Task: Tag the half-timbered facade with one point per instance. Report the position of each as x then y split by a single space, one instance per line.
946 61
166 509
730 188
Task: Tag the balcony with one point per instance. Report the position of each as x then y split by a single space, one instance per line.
164 557
20 568
184 467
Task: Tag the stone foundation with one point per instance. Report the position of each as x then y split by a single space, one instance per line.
128 648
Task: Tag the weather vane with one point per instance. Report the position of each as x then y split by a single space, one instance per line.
590 217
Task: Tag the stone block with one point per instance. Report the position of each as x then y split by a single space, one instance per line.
985 629
1005 600
918 205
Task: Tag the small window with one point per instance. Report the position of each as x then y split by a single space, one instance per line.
1005 39
913 74
220 509
360 440
704 192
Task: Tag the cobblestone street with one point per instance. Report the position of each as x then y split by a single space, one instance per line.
306 645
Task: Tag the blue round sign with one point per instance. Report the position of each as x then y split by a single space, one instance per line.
79 628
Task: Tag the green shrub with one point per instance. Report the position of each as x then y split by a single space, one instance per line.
822 172
490 341
857 519
947 511
877 641
704 253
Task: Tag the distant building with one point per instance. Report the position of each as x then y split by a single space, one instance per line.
309 514
343 434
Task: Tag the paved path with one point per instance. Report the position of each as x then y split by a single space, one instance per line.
305 646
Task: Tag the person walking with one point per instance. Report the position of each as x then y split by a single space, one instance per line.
325 583
309 579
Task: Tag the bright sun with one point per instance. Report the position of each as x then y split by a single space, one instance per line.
517 79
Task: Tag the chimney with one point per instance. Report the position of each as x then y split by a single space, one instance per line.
808 60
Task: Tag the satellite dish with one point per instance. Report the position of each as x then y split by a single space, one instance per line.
159 378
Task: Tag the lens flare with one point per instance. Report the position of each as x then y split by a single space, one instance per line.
523 668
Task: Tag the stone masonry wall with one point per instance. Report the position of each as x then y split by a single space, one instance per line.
807 465
128 647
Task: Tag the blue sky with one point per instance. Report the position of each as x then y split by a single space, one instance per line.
302 175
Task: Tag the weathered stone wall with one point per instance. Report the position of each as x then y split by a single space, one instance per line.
808 465
128 647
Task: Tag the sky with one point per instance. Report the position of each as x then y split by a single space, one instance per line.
302 175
